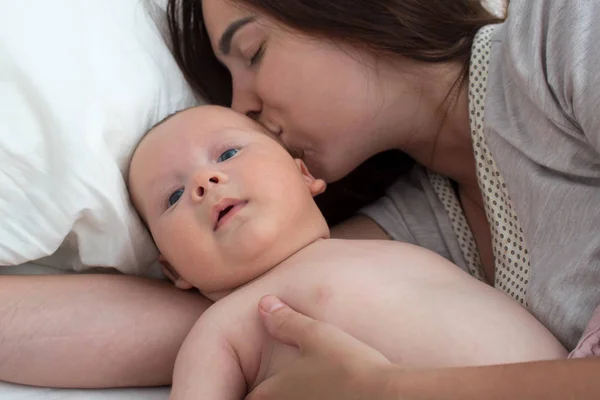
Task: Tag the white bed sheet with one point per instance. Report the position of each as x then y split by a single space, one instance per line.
18 392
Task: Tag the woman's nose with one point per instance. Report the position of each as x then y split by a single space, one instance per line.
206 181
246 102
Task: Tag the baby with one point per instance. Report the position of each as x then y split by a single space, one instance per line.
233 215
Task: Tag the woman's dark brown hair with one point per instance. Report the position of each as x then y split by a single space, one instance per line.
424 30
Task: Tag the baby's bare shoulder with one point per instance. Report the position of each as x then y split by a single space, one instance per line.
331 254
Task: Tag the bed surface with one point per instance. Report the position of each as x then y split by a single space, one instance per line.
16 392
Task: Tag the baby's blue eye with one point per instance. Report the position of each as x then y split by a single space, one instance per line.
175 197
227 155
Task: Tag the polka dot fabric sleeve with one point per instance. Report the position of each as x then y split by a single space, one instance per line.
510 253
511 257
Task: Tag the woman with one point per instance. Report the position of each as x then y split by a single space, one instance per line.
345 80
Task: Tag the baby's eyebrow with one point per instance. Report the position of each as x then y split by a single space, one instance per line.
156 190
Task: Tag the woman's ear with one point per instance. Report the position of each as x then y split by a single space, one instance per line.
173 276
316 186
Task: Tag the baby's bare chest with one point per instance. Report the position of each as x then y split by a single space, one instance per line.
357 293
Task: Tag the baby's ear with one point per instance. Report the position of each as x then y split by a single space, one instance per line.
173 276
316 186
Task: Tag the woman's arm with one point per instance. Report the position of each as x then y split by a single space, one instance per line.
92 331
334 366
548 380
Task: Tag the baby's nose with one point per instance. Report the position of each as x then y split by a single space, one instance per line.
204 181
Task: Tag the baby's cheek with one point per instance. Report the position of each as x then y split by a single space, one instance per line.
173 240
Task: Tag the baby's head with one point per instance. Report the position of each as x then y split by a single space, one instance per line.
224 201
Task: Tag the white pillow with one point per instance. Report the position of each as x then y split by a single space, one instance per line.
496 7
80 83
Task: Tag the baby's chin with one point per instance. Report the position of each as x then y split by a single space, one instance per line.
253 273
216 296
227 287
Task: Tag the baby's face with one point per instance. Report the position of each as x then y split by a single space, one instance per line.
224 201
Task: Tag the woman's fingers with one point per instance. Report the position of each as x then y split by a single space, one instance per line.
287 325
310 336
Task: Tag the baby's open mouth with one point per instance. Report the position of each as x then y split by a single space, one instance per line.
225 210
224 213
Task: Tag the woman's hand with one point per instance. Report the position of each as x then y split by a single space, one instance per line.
333 365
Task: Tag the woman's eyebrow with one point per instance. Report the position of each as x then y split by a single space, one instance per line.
226 38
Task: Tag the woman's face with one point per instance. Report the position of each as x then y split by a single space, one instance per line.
335 103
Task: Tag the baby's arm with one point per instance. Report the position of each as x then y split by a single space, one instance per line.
207 366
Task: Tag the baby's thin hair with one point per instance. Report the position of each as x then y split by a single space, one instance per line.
165 119
160 122
293 151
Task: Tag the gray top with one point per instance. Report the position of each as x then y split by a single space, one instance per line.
542 123
411 212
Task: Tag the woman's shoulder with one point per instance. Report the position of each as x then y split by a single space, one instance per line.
547 51
543 130
542 87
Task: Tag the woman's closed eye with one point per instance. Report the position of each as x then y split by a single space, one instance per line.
175 196
256 57
227 154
